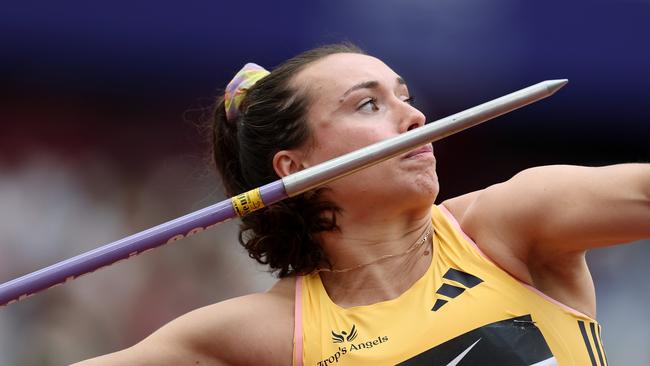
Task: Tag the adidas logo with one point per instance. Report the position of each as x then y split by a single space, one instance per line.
451 290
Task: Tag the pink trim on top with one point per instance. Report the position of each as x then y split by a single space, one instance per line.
297 323
456 224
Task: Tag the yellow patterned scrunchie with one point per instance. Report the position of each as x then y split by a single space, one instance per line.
239 85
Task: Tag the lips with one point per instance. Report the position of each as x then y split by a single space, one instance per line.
426 149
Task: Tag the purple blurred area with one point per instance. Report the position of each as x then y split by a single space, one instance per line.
100 110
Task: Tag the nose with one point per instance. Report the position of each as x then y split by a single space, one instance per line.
410 118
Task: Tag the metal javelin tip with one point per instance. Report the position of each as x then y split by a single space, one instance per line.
555 85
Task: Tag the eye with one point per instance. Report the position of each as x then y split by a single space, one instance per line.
410 100
369 105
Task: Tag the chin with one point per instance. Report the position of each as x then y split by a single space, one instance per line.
427 184
431 194
422 193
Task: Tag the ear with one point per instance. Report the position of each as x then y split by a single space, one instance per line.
287 162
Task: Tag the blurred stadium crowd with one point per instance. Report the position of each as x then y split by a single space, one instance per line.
53 208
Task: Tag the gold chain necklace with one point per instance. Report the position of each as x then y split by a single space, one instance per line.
413 246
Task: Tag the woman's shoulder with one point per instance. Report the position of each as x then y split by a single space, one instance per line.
278 298
248 328
458 206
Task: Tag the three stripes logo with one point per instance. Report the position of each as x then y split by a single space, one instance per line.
593 341
345 336
452 290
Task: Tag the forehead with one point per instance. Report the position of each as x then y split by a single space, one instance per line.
332 75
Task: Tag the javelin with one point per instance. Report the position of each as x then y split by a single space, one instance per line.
289 186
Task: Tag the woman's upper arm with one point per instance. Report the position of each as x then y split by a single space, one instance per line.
237 331
177 343
563 208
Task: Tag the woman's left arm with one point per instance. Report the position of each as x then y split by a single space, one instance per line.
561 208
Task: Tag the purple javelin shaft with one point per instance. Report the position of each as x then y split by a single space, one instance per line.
108 254
266 195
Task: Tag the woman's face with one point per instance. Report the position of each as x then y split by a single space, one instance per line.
356 100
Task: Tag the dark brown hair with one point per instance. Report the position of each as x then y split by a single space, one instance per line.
274 117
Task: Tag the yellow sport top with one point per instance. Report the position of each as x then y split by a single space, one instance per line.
465 310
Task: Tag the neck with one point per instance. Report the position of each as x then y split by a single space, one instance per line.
376 257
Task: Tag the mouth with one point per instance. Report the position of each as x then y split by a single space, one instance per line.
426 150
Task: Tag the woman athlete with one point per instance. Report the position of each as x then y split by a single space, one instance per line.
372 272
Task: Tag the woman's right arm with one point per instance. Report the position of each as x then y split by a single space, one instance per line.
183 341
237 331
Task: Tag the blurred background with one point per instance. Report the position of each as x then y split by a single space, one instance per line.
100 110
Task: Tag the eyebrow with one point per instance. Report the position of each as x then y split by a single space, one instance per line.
372 84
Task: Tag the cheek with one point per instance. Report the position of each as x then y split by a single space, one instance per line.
351 139
326 150
330 144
